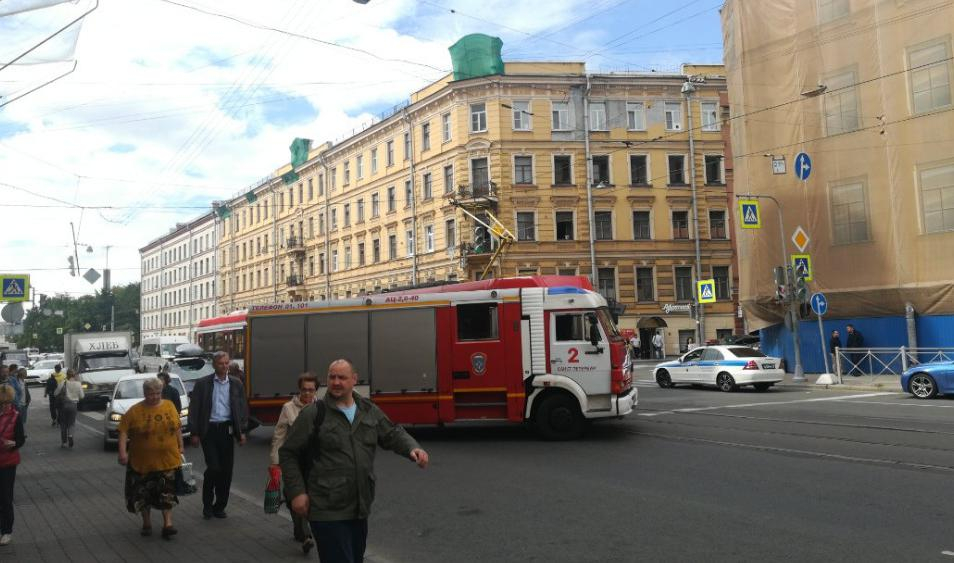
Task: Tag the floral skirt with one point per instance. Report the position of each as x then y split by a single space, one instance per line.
156 489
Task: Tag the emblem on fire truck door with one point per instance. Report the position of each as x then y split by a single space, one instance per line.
478 363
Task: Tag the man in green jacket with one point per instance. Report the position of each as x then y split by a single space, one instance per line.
340 485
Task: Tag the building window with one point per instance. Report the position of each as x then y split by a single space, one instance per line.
374 160
347 215
478 118
334 179
392 247
311 191
428 238
334 259
389 153
523 170
673 116
562 170
561 116
713 163
361 210
321 225
717 224
645 286
564 225
347 257
831 10
446 126
937 198
359 166
677 169
526 228
448 179
479 176
841 104
521 115
601 170
636 116
347 173
606 282
409 242
930 76
334 218
450 236
721 276
407 145
427 188
425 136
603 225
710 116
680 224
321 265
683 283
639 169
376 250
311 269
408 193
311 227
849 213
392 200
641 226
598 116
361 254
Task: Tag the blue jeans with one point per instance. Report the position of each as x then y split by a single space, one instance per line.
341 541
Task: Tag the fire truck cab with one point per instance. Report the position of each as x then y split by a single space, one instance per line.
540 349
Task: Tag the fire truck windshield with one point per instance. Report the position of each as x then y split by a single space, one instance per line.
606 320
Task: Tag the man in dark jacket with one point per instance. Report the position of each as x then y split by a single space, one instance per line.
340 489
169 392
855 340
218 415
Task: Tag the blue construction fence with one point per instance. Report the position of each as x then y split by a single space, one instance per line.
878 332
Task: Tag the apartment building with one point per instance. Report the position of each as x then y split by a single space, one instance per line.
393 205
178 279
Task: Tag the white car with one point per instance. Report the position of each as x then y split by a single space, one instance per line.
128 392
41 371
726 367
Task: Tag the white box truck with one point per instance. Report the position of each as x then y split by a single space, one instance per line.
99 359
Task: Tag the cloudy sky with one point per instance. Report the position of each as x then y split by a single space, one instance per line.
175 103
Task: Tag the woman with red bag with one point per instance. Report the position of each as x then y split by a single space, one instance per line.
11 440
307 387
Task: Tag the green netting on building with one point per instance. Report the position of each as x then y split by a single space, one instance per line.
476 55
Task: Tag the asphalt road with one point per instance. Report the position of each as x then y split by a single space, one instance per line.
791 474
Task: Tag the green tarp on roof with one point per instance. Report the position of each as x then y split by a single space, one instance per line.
476 55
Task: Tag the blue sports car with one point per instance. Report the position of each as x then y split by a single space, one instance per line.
926 381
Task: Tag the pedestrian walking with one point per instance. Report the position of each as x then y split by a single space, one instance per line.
12 438
658 345
170 393
855 340
49 390
151 457
11 378
634 344
833 344
25 396
307 387
218 415
70 393
338 491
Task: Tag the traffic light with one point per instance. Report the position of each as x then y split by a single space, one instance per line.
72 266
801 290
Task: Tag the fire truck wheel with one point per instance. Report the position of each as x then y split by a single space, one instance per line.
558 418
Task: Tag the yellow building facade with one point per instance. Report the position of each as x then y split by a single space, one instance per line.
392 206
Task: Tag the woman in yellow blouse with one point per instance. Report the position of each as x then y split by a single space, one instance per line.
152 456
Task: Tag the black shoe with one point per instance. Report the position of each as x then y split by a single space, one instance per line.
71 441
220 514
206 514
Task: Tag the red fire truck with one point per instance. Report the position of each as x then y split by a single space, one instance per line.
540 349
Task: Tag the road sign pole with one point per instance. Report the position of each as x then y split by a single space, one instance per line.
821 340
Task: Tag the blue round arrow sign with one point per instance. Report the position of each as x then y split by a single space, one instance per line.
819 304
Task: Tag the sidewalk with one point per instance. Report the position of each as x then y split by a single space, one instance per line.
69 506
861 383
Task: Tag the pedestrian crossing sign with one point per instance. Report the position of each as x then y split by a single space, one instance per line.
750 214
706 291
16 288
802 266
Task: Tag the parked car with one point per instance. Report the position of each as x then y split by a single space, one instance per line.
726 367
190 363
926 381
128 392
41 371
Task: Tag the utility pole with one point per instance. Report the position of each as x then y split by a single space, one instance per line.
589 183
688 89
75 253
790 301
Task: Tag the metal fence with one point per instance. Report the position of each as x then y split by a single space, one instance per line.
891 362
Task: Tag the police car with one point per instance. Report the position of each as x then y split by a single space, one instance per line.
726 367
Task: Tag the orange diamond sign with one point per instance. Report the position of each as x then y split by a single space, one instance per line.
800 238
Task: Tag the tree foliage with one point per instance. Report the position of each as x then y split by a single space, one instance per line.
76 313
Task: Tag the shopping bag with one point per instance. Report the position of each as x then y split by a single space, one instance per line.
185 480
273 490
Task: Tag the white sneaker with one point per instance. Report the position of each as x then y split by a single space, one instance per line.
5 539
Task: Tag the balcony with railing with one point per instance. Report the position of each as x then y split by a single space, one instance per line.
294 280
479 194
295 245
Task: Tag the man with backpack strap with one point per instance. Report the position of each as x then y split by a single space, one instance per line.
338 491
